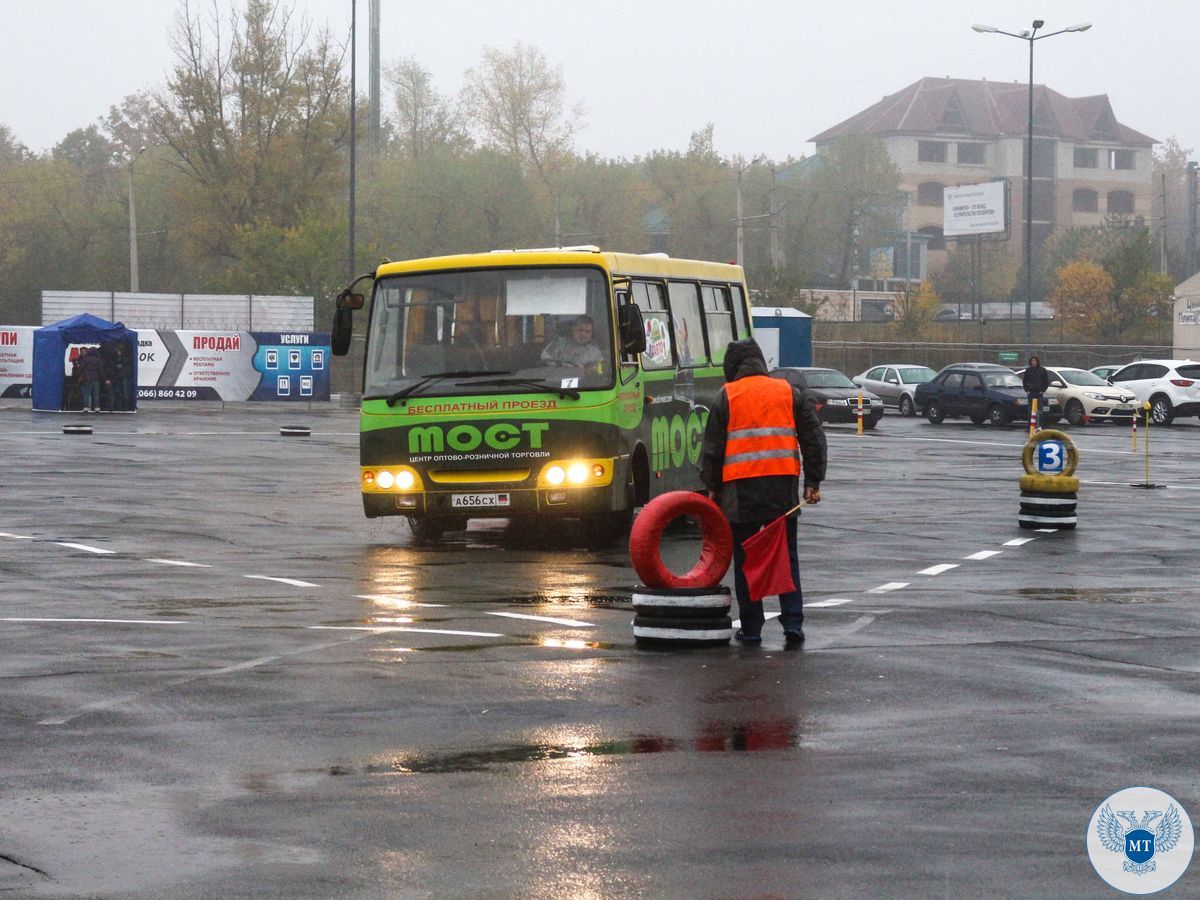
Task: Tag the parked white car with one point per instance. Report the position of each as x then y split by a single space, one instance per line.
1172 386
896 384
1083 397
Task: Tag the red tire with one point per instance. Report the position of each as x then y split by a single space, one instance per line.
716 551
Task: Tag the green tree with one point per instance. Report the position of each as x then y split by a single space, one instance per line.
255 120
858 203
916 310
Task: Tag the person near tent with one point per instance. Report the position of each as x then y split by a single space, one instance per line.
750 465
73 384
116 361
91 371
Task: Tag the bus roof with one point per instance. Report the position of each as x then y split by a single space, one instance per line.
618 263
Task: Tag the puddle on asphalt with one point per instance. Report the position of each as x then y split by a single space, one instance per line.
753 737
1092 595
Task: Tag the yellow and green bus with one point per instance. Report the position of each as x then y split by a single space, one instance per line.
487 394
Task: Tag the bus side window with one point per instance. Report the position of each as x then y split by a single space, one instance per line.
739 311
649 297
685 308
718 319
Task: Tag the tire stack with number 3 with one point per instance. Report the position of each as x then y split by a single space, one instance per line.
689 610
1049 500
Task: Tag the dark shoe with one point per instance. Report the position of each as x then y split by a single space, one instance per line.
748 638
793 639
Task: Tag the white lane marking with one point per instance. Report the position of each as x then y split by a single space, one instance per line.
178 562
98 621
16 537
398 602
1017 542
938 569
826 640
737 623
890 586
87 547
114 702
985 554
382 628
575 623
832 601
294 582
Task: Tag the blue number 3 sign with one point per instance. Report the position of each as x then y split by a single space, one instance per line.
1051 457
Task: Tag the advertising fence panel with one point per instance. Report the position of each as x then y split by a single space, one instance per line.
16 360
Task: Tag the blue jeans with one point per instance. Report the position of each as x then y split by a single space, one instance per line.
91 395
791 604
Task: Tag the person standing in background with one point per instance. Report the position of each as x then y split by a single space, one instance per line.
1036 382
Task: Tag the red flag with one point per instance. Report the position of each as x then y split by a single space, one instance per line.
768 569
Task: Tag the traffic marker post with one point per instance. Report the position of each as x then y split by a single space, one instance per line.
1033 416
1147 483
859 413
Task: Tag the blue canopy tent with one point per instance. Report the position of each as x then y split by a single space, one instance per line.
50 347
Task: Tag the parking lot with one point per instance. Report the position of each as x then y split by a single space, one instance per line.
221 680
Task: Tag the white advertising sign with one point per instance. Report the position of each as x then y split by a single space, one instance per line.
974 209
16 360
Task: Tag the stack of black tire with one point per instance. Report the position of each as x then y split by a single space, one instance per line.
1048 501
681 617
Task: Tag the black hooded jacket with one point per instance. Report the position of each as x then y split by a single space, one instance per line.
770 496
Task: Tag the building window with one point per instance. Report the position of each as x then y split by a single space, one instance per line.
1087 158
937 239
1120 159
929 193
931 151
1120 203
1084 200
971 154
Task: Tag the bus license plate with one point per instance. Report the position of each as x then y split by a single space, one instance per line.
478 501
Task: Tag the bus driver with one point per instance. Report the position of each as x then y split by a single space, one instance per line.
576 349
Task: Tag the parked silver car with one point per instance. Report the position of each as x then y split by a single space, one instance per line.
896 384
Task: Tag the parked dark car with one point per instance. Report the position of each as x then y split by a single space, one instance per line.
983 392
834 395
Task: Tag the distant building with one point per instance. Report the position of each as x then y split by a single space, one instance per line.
945 132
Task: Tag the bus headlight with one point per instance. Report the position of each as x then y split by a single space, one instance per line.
390 480
576 473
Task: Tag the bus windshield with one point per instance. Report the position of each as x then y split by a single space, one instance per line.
482 331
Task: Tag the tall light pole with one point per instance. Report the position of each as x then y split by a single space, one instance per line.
133 251
1029 36
353 128
741 220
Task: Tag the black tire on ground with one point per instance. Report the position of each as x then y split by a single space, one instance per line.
907 407
77 429
1075 414
1161 410
933 412
653 631
429 529
681 603
1047 510
978 419
294 431
997 416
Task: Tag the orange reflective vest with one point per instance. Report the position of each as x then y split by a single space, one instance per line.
761 436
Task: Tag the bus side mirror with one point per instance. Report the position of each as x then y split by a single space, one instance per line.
343 321
631 329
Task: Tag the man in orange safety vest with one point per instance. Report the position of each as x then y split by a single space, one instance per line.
759 431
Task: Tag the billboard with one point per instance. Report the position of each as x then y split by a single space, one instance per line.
233 365
974 209
16 360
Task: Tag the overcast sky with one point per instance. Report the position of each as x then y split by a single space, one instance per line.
769 75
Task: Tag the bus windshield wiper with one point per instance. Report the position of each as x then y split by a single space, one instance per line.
437 376
533 383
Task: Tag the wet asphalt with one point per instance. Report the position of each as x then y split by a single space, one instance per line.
220 679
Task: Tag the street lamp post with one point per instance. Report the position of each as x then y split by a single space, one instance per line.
133 250
741 220
1029 36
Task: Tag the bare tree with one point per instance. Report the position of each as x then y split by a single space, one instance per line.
517 100
425 120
